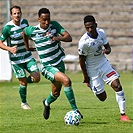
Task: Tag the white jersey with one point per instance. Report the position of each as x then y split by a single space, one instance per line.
92 49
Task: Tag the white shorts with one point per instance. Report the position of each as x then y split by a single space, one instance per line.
105 73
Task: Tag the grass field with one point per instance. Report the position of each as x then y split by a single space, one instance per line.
99 117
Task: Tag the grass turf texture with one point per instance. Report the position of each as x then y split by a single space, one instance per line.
99 117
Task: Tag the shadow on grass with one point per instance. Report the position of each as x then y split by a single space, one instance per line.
96 122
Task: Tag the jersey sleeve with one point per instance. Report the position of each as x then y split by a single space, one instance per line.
5 34
58 27
28 30
25 21
103 34
82 47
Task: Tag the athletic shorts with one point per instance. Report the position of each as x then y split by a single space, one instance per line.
104 74
49 71
20 69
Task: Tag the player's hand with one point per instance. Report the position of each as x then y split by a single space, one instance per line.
87 81
55 38
13 49
88 85
104 51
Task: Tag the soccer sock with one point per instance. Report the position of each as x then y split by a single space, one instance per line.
70 96
50 99
29 79
22 92
121 101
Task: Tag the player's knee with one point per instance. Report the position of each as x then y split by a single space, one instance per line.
36 78
67 81
116 85
23 81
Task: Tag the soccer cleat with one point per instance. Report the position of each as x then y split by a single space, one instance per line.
80 113
124 118
46 112
25 106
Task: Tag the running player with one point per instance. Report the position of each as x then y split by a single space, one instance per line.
96 69
47 36
21 60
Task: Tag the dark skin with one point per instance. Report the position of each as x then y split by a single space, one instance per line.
44 20
60 78
91 29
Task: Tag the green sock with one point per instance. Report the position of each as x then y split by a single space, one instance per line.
22 92
70 96
29 79
51 99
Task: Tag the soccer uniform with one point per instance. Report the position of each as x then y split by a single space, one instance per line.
50 52
22 59
98 67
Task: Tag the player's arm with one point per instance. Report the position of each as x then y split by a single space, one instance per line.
3 37
65 37
82 60
7 48
26 42
107 49
63 34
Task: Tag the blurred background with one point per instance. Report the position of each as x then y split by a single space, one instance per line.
114 16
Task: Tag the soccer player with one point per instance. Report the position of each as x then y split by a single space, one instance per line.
96 69
21 60
47 36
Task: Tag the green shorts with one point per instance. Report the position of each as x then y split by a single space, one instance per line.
49 71
20 69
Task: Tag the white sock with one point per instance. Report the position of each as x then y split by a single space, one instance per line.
46 103
121 101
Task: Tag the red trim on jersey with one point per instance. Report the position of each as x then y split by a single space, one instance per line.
110 74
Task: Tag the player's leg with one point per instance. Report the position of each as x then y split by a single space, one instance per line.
66 82
49 73
20 73
111 77
120 98
56 75
56 88
34 77
32 68
97 85
23 93
58 78
102 96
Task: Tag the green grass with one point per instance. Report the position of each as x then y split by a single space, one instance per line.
99 117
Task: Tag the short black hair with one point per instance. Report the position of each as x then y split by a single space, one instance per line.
16 7
43 10
89 18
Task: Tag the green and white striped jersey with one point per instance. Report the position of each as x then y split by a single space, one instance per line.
50 52
13 34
